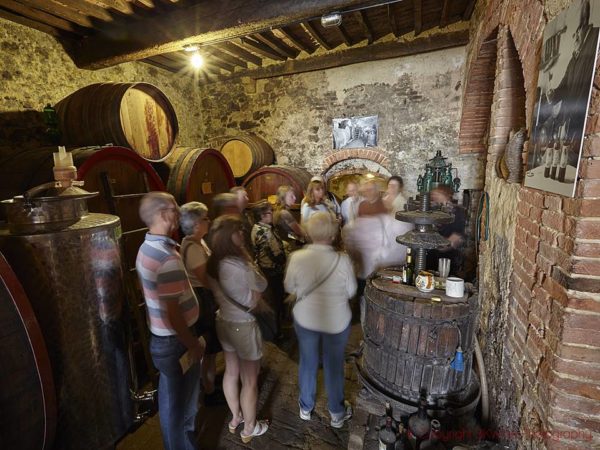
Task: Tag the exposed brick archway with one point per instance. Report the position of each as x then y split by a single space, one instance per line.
355 153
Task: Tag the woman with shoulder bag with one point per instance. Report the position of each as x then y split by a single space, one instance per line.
237 285
323 282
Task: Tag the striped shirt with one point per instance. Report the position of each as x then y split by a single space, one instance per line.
163 279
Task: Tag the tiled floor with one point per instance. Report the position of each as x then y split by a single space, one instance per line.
278 402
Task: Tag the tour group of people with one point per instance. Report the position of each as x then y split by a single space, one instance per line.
200 294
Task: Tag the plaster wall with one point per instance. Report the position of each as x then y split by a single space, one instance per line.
417 99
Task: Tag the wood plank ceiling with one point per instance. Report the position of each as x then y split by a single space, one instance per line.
256 38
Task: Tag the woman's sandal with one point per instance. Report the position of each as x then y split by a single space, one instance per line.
260 428
232 429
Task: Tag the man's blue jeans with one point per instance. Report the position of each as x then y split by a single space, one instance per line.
334 346
178 394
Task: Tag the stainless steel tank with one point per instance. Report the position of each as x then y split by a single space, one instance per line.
73 278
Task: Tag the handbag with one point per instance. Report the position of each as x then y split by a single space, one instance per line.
264 316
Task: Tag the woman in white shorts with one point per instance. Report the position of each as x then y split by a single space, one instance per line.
237 283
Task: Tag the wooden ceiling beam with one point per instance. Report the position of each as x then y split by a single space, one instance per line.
210 60
393 21
121 6
238 51
41 16
59 10
268 38
386 50
261 49
155 63
86 9
418 9
366 26
204 22
296 42
310 29
444 16
345 36
44 28
469 10
225 57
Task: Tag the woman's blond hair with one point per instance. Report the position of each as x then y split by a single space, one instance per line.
309 198
321 226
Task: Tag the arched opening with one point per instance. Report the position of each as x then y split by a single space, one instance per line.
478 97
343 172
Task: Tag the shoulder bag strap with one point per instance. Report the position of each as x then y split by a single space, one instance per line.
322 280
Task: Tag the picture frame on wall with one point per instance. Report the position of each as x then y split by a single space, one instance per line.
567 66
355 132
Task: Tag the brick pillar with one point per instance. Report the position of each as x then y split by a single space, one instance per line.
554 313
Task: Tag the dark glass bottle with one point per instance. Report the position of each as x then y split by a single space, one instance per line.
410 269
434 441
419 425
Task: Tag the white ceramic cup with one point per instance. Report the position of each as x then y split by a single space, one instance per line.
455 287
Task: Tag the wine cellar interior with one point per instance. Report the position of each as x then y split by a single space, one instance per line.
493 103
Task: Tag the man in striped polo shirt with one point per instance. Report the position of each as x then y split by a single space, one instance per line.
172 309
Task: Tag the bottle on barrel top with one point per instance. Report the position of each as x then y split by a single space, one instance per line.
419 425
408 270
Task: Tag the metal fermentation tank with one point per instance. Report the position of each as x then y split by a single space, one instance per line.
72 275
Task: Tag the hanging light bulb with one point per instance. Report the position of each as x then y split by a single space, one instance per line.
333 19
196 60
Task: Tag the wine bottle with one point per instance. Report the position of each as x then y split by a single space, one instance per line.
410 270
555 160
434 441
419 425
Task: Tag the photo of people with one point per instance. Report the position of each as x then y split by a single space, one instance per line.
355 132
569 52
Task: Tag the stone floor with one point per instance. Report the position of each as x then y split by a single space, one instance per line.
278 402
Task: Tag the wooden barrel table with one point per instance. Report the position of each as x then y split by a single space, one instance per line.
135 115
198 174
246 153
410 342
27 395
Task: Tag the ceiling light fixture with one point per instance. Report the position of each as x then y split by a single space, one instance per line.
196 60
333 19
191 47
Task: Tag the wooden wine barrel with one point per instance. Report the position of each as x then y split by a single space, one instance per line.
411 340
134 115
198 174
27 395
265 181
247 153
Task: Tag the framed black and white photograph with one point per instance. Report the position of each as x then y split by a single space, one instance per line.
355 132
566 74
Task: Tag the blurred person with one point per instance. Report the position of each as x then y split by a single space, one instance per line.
225 203
242 203
270 256
330 196
349 206
172 311
323 282
237 284
195 223
394 200
371 203
285 224
371 243
441 196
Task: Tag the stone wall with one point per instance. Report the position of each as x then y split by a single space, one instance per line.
540 268
34 71
417 99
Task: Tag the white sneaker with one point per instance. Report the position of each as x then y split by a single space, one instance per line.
304 415
339 423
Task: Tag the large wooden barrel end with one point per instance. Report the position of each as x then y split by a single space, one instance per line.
135 115
247 153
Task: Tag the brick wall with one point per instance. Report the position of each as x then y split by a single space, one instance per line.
546 371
